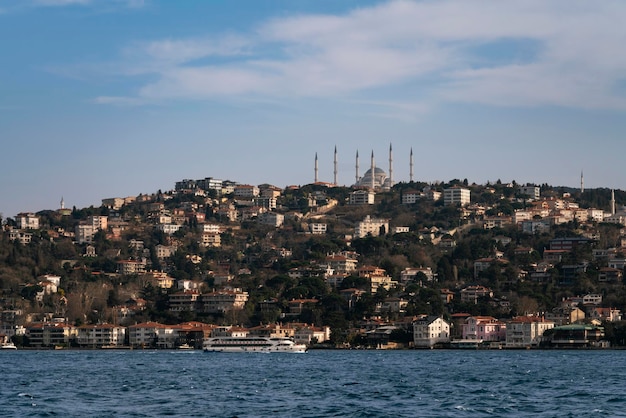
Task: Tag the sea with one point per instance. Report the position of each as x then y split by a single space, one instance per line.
319 383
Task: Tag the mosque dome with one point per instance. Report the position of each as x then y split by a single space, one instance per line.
379 178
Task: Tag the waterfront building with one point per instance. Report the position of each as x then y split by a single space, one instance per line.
484 328
430 331
526 331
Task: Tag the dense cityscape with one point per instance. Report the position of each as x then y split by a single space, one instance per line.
378 264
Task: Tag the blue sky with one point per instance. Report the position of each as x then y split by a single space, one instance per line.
106 98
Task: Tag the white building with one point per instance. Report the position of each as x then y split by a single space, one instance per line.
533 192
430 330
526 331
362 197
371 226
318 228
271 218
411 197
224 300
456 196
27 221
246 190
85 233
169 229
101 335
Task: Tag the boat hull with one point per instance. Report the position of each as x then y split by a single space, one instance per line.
252 345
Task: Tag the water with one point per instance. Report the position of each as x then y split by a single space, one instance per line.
446 383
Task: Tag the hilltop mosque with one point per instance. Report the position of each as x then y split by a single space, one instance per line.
375 178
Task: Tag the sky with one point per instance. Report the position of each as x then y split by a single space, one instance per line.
113 98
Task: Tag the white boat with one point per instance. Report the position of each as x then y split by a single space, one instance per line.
8 346
252 345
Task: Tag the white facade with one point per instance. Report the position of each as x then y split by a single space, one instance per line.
223 301
371 226
411 197
533 192
211 228
456 196
272 219
246 190
101 335
318 228
27 221
526 331
362 197
429 331
209 239
84 233
169 228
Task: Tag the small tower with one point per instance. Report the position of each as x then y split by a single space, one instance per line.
62 203
357 167
613 202
335 165
316 179
582 183
411 166
373 171
390 167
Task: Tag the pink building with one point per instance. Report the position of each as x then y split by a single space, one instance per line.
485 328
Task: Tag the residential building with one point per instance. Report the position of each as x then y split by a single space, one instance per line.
412 273
362 197
526 331
532 192
246 191
210 239
317 228
169 229
271 218
430 331
27 221
224 300
85 232
471 294
144 334
341 263
456 196
128 267
410 197
484 328
23 237
102 335
186 300
309 334
371 226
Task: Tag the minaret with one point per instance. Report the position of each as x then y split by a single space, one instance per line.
62 203
373 171
357 167
390 167
335 162
316 179
582 183
411 166
613 202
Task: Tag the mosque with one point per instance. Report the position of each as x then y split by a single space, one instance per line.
375 178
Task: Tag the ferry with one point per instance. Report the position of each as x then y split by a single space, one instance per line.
252 345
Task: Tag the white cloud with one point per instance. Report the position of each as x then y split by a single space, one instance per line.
450 50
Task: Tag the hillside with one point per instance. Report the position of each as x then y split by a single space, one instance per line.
292 256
